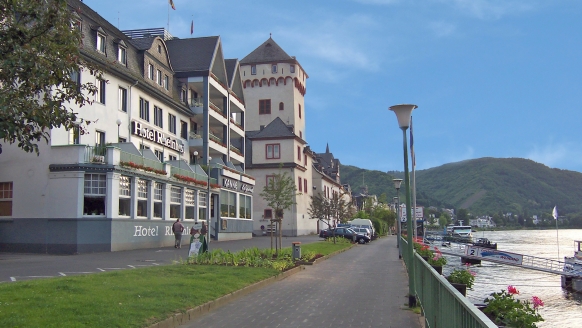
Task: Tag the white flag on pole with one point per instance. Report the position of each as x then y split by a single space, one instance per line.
555 213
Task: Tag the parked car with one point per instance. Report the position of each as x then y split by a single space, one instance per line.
347 233
363 231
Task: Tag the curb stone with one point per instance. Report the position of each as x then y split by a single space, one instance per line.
179 319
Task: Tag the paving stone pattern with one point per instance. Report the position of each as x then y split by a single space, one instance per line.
365 286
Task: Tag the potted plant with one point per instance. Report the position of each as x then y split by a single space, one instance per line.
504 309
424 251
437 261
462 279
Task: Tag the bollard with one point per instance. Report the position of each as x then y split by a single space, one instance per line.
296 250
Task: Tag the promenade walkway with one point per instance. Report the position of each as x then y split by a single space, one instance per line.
365 286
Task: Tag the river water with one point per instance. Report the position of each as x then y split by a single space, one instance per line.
561 308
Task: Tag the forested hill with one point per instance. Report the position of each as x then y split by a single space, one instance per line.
483 186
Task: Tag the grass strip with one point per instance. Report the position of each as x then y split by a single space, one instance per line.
128 298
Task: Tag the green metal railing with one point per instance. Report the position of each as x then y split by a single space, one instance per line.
95 154
442 304
128 157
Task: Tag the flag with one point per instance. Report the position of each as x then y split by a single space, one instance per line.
412 145
192 27
555 213
172 4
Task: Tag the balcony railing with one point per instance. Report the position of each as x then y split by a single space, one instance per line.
128 157
96 154
196 102
236 150
194 135
190 174
215 138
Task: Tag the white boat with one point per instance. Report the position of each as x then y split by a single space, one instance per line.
573 264
460 231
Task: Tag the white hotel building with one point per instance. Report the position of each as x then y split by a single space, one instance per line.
165 109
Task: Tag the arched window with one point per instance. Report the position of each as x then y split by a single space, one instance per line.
281 106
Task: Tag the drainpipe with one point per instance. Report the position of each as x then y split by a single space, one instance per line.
129 113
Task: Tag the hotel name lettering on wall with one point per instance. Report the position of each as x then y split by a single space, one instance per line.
156 136
233 184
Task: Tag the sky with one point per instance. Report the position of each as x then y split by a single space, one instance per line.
491 78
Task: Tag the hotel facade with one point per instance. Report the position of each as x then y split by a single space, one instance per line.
166 143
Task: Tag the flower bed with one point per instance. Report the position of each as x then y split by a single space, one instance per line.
142 167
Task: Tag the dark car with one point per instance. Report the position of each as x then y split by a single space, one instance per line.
347 233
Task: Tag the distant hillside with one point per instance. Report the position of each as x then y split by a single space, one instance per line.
483 186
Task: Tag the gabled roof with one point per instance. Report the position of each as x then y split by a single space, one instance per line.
269 51
191 55
230 69
276 129
143 43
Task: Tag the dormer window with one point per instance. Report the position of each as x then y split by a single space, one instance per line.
121 52
159 77
151 71
253 69
273 69
101 42
166 82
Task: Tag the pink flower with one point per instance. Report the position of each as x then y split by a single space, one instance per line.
512 290
537 302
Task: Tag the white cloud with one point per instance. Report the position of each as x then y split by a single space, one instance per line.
556 155
490 9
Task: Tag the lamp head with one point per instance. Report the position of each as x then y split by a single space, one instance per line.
195 153
403 113
118 122
397 183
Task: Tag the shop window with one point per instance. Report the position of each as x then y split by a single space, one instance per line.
227 204
202 205
158 199
6 194
190 204
124 195
244 204
95 189
142 197
175 202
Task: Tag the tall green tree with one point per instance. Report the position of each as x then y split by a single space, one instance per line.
39 59
280 193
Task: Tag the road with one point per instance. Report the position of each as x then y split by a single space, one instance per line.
19 267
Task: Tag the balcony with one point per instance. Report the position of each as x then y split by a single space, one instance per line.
195 139
197 105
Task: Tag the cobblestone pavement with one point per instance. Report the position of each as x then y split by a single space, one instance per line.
365 286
